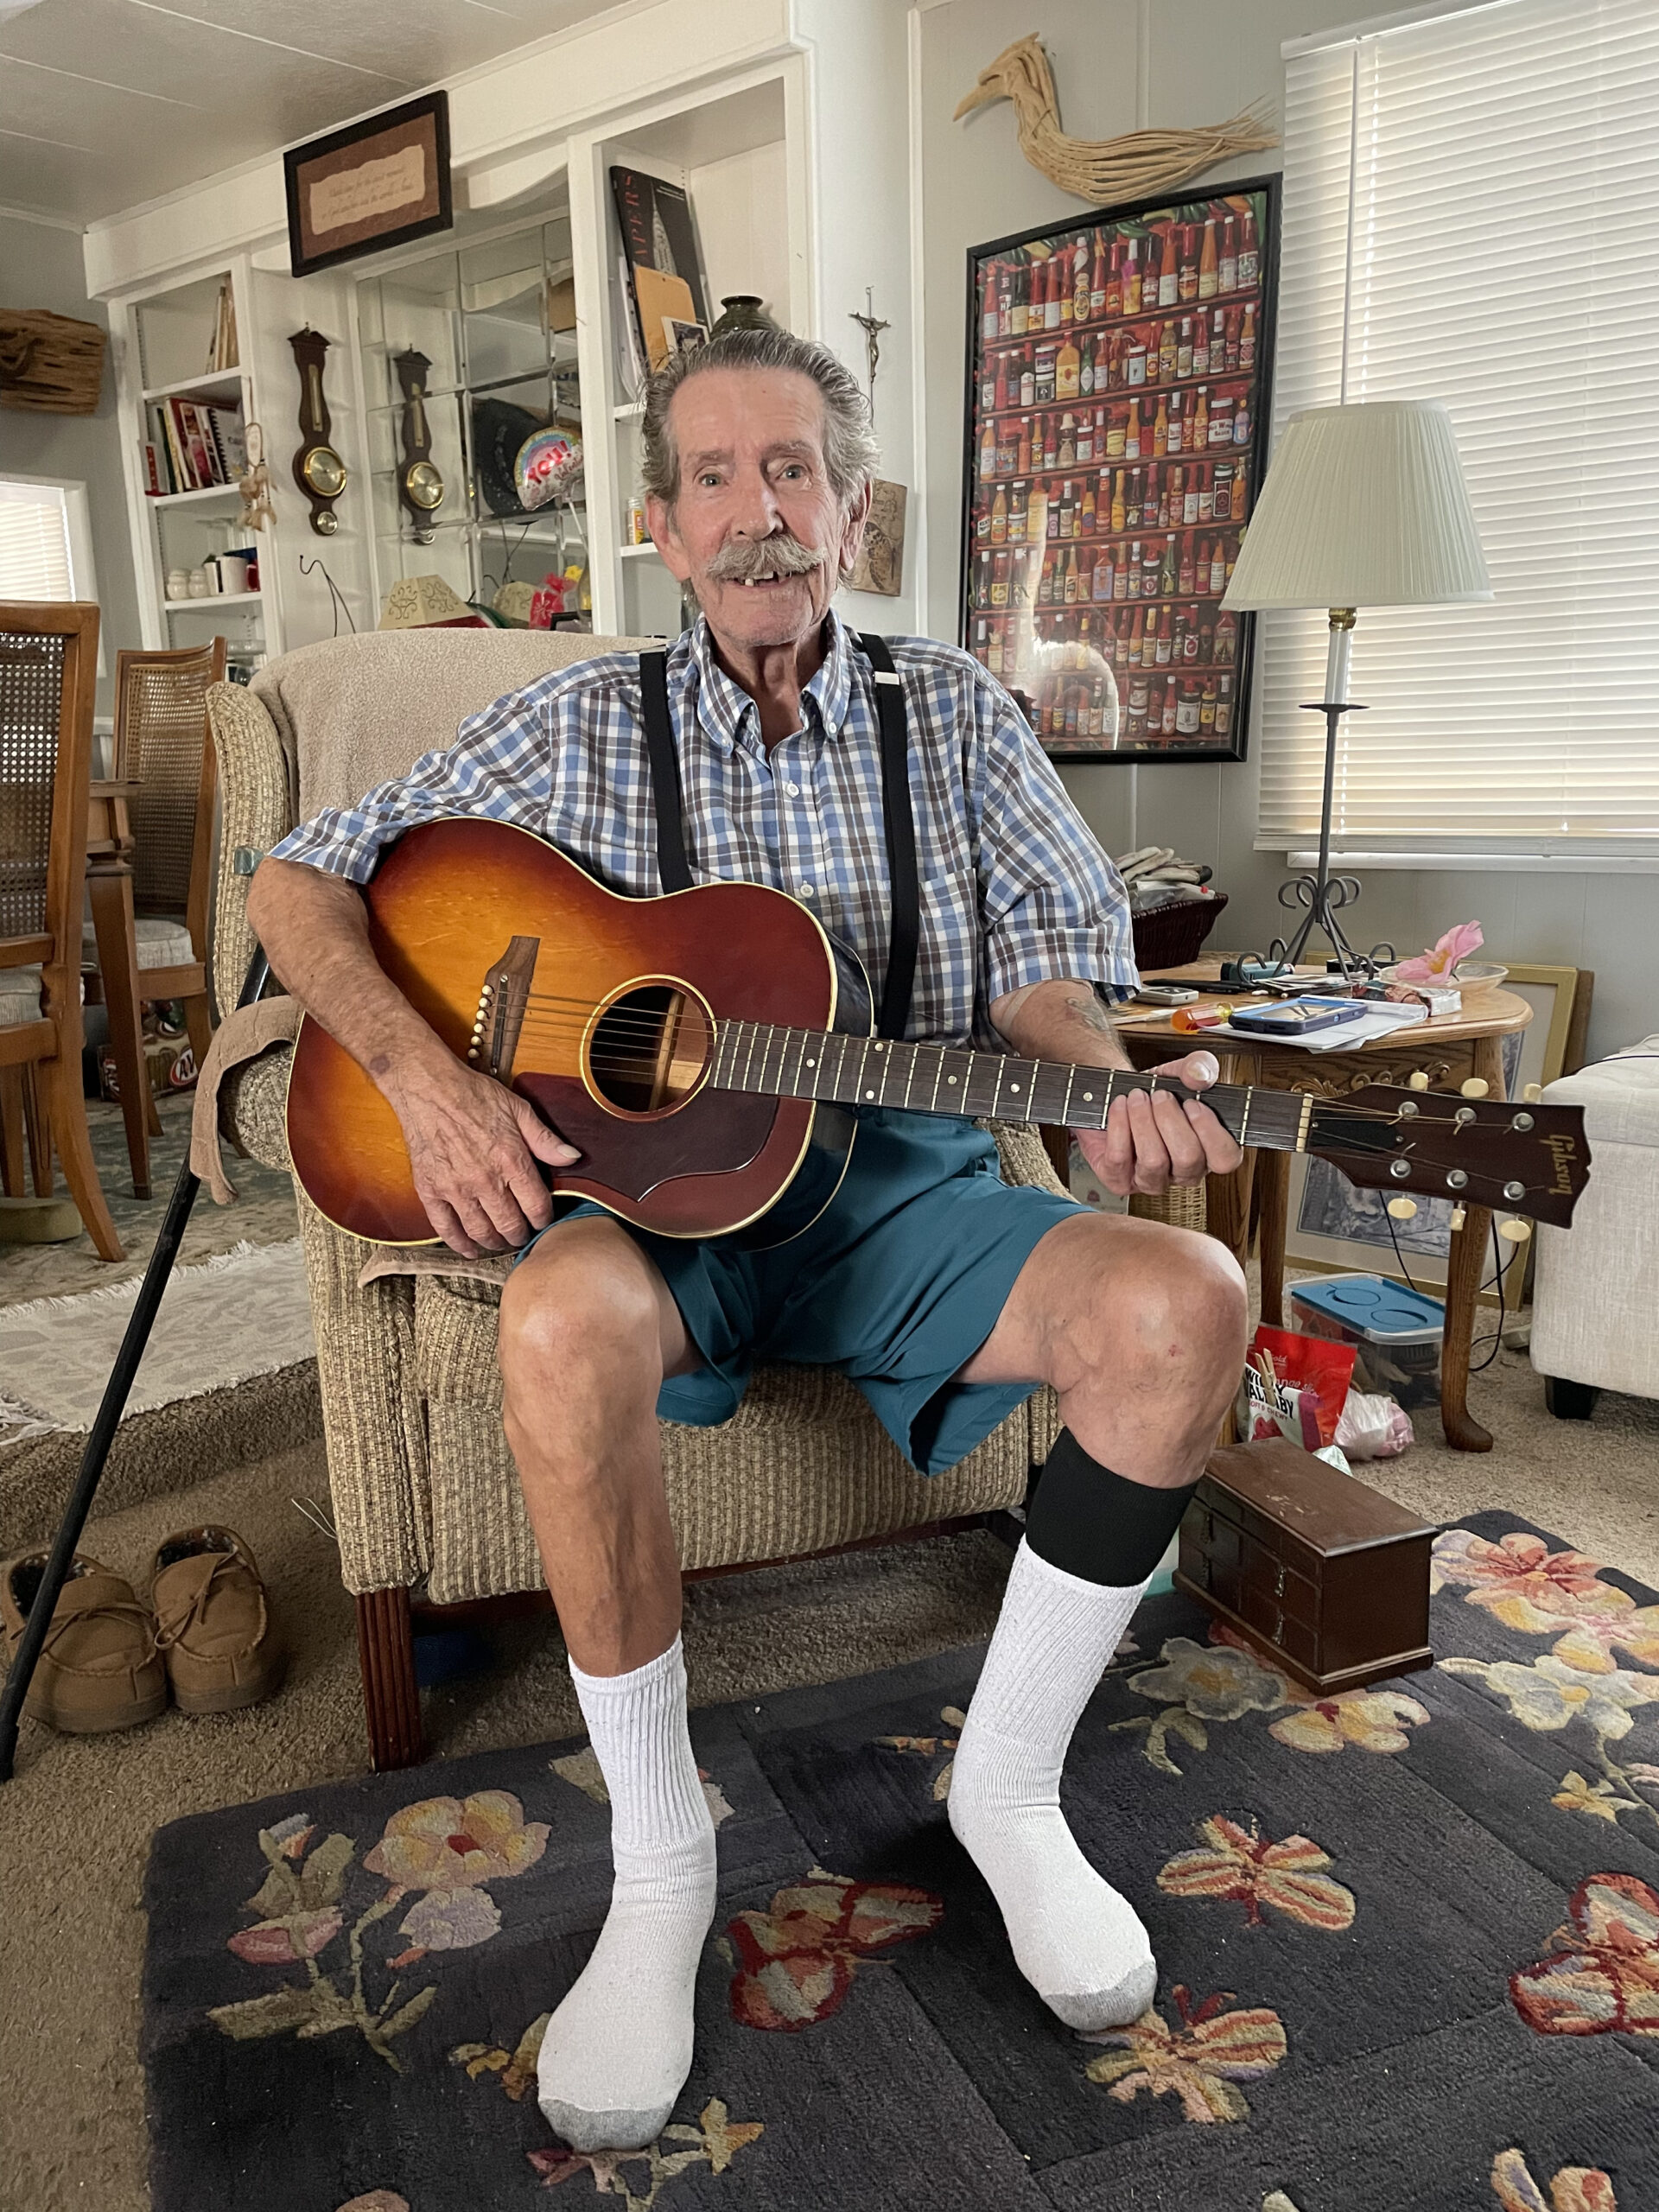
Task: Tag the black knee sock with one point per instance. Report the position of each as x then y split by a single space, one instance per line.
1092 1523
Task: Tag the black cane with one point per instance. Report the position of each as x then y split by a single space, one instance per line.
111 1408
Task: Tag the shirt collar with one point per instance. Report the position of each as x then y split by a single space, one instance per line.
724 708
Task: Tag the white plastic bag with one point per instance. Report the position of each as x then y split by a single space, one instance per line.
1374 1426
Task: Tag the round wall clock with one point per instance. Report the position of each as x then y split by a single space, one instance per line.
420 486
318 469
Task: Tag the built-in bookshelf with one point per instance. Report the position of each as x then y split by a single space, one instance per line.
186 399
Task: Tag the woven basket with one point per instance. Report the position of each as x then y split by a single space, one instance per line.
1170 936
50 363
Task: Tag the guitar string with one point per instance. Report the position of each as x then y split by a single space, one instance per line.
642 1020
648 1027
545 1033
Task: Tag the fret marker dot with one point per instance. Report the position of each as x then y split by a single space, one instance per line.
811 1063
869 1093
950 1078
1014 1086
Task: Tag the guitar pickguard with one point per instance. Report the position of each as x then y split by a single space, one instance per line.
716 1133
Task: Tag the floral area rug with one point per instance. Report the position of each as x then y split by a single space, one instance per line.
1407 1939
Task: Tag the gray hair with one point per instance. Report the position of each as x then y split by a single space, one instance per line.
850 453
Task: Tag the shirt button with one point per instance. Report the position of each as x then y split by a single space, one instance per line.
794 790
805 890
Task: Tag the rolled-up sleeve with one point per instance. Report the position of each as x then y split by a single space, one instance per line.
499 767
1052 905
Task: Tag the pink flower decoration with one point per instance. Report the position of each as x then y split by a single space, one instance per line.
1439 963
279 1942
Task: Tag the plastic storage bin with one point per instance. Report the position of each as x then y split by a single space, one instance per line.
1395 1331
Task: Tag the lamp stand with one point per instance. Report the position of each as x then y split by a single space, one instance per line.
1322 895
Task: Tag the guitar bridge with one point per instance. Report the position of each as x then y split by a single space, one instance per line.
502 1005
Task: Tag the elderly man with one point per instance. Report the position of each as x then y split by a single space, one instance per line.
945 1295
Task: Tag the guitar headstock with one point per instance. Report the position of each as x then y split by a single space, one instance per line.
1521 1158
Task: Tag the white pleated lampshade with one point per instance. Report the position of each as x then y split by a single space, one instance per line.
1363 505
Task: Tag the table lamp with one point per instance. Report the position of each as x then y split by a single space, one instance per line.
1363 506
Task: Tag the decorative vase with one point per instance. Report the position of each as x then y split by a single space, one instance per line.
744 311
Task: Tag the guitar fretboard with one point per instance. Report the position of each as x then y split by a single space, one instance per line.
949 1079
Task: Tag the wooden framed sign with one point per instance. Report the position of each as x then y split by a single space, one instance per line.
376 183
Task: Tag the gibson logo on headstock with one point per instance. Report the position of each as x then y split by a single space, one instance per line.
1561 1149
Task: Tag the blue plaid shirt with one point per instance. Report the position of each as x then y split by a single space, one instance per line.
1014 888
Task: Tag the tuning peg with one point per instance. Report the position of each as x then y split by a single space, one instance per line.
1402 1209
1417 1080
1532 1091
1458 1216
1514 1232
1477 1087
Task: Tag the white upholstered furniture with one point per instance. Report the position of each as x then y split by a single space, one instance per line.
1595 1322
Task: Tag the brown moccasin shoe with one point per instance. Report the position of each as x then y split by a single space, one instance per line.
98 1667
213 1623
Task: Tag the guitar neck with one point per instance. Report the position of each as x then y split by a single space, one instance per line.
948 1079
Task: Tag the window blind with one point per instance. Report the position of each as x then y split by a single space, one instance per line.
34 555
1470 207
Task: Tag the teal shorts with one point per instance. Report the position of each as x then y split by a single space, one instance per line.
897 1284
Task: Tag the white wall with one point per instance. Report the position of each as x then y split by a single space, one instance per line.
1120 65
40 267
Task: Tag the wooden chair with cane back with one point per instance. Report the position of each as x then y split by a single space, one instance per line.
48 669
150 889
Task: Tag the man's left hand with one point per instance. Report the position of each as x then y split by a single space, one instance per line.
1154 1139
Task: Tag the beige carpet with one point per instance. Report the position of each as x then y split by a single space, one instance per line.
75 1824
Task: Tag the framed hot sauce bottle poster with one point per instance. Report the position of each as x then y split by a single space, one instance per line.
1118 382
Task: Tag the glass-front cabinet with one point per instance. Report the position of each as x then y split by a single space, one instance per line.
474 417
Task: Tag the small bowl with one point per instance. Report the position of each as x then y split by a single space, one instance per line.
1476 977
1471 977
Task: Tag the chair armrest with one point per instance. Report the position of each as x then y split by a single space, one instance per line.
373 1417
255 811
1024 1155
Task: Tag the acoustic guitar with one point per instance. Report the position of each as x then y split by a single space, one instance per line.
706 1052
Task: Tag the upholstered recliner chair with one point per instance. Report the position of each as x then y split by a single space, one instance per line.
426 1498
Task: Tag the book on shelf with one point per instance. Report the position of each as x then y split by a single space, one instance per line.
193 445
222 354
196 444
658 236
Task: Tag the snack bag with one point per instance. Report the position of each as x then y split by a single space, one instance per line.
1294 1386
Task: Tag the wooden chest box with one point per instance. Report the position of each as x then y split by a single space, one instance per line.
1329 1577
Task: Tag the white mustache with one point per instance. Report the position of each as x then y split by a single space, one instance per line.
757 560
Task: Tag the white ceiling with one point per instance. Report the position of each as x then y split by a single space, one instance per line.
105 104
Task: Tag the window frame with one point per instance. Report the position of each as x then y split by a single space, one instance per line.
1475 850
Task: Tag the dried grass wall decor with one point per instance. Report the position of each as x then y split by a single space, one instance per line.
1103 170
50 363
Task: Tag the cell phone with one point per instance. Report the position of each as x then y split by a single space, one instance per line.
1296 1017
1165 994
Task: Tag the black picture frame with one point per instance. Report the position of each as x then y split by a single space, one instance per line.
424 123
1069 660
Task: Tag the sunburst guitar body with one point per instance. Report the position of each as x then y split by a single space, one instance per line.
602 1011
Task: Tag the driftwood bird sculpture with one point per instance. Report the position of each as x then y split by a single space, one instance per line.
1105 169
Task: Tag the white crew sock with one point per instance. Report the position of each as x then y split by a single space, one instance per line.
1079 1944
618 2050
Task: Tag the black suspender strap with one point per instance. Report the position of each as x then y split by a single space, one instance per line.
906 928
671 863
674 870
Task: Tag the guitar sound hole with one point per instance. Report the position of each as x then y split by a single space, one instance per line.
650 1049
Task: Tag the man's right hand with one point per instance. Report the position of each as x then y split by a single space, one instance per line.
473 1147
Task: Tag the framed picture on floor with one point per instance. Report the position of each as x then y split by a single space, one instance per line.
1119 374
1333 1225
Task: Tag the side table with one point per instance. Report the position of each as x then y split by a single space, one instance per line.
1448 1050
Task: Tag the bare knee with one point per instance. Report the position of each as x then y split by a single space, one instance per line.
1172 1323
580 1316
